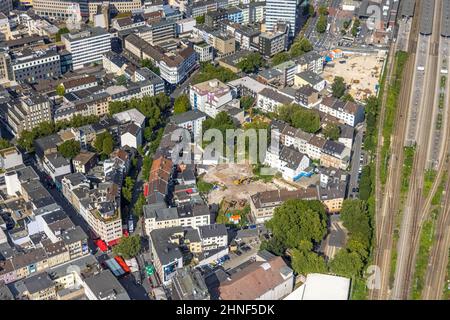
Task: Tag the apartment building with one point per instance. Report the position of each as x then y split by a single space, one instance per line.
158 216
209 96
288 161
349 112
272 43
28 112
268 100
87 46
31 66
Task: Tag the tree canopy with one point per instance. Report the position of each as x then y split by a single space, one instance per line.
104 143
69 149
299 47
251 63
322 24
127 189
299 117
338 87
209 72
181 104
147 63
4 144
297 221
346 264
357 221
246 102
279 58
200 19
60 90
128 247
60 32
305 261
331 131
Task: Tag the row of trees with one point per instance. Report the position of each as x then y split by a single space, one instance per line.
69 149
322 22
298 48
181 104
299 117
209 72
46 128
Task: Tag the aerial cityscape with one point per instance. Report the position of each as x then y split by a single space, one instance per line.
224 150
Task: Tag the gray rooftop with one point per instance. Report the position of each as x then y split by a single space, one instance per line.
184 117
38 282
445 23
427 17
106 287
213 230
408 7
167 251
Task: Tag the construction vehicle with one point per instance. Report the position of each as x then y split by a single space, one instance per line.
241 181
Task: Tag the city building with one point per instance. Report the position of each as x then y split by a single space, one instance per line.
282 11
28 112
87 46
349 112
209 96
263 279
28 65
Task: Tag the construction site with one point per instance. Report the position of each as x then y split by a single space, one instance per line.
360 72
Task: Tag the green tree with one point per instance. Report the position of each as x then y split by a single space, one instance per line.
279 58
26 139
146 166
355 28
346 24
138 206
209 72
299 117
128 247
247 102
60 90
346 264
300 47
200 19
322 24
61 32
251 63
273 245
304 261
104 143
147 63
338 87
356 220
323 10
299 220
331 131
69 149
121 80
127 189
181 104
4 144
365 184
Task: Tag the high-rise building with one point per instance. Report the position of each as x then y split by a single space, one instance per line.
87 46
282 11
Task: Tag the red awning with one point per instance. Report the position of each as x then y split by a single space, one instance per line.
101 245
113 242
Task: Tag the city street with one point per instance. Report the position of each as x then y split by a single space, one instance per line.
355 164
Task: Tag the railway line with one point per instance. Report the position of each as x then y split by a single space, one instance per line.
387 203
417 208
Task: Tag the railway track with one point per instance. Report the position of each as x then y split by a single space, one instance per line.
387 204
418 208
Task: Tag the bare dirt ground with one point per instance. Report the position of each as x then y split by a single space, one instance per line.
362 72
225 174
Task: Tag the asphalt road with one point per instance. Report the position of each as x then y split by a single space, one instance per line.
355 163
